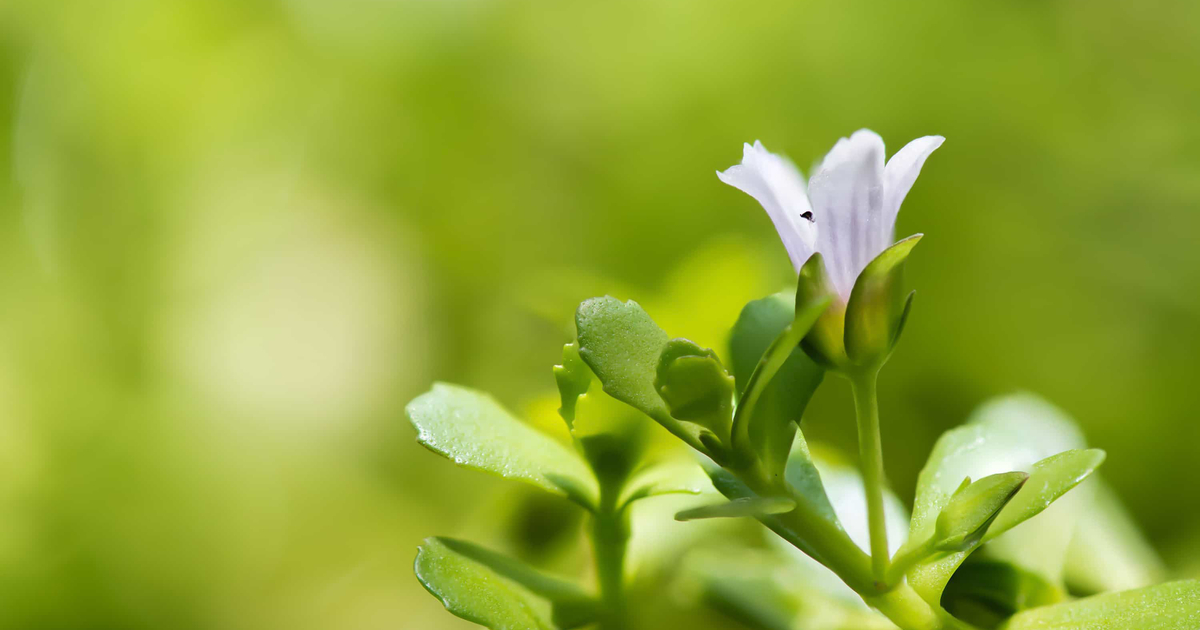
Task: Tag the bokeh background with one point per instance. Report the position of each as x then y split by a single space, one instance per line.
236 237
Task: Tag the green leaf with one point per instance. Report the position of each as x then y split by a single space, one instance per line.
803 476
472 591
740 507
696 387
781 382
1011 433
985 594
573 378
973 508
499 592
622 345
877 308
1171 606
1049 479
472 429
759 323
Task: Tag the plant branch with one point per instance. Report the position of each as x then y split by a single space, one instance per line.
870 455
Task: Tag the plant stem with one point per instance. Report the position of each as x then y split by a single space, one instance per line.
829 545
907 610
870 455
610 539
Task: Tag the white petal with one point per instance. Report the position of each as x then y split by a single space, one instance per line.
779 187
900 173
847 199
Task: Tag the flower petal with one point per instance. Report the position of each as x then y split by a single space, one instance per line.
779 187
900 173
847 199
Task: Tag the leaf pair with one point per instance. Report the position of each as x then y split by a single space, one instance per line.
1013 447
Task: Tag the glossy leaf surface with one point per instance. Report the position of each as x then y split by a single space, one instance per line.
971 510
1014 433
1170 606
471 590
473 430
1049 479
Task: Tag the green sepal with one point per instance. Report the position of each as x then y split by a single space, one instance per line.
696 387
825 343
472 429
908 302
499 592
973 508
743 506
573 378
876 309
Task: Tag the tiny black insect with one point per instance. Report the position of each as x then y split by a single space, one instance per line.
808 215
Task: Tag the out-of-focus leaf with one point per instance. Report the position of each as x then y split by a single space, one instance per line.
473 430
1010 434
1109 551
876 308
781 403
745 506
471 590
1171 606
985 594
971 510
764 590
662 478
745 587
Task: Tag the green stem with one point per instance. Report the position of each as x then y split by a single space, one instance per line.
828 544
905 608
907 558
870 455
811 532
610 540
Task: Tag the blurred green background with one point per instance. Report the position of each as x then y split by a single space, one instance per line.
236 237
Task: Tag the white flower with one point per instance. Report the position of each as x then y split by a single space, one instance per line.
848 213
